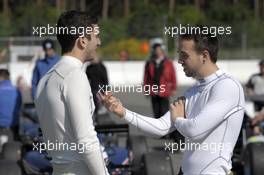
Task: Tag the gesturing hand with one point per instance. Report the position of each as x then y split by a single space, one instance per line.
177 108
112 103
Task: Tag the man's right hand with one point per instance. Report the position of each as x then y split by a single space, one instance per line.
112 104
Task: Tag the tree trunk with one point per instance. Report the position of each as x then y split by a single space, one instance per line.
262 9
256 8
126 7
105 9
58 6
83 5
39 3
73 5
5 7
197 4
171 7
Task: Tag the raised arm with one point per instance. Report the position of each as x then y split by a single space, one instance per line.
225 100
151 126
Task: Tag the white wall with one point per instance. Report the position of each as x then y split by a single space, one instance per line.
131 72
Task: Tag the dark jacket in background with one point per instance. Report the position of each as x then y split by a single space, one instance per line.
163 74
97 76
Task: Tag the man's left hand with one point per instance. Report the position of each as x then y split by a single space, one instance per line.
177 109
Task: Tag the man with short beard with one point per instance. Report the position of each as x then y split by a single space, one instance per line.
211 112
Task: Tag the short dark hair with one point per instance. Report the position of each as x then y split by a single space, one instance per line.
74 19
204 42
154 47
261 63
4 73
48 44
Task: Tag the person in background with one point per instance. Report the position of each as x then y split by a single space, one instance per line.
124 55
255 86
10 104
44 65
3 54
97 76
159 71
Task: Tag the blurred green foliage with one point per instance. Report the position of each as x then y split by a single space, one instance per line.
131 45
113 30
5 25
26 15
146 20
188 14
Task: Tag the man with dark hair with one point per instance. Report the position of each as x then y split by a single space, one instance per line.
65 104
67 37
209 115
43 65
10 103
204 42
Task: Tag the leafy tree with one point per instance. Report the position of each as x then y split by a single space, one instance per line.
30 16
6 27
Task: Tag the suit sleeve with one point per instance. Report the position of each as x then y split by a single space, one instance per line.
225 100
151 126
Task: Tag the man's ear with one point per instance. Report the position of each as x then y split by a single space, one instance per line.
206 56
82 42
